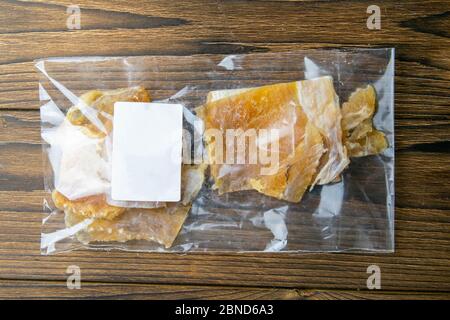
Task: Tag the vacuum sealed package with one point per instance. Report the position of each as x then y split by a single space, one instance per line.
289 151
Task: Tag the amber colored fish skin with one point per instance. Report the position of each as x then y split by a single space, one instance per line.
373 143
102 102
276 185
157 224
88 207
160 225
359 107
255 109
244 108
360 131
303 169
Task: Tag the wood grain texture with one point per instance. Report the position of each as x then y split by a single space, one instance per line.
97 290
420 267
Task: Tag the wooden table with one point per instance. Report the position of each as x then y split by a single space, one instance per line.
419 30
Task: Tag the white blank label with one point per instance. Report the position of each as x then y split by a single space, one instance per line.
146 157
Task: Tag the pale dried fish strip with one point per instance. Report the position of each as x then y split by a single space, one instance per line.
160 225
319 101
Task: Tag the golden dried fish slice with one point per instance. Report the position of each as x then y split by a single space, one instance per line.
360 131
373 143
88 207
160 225
268 107
305 166
319 101
312 102
192 177
112 223
95 206
359 107
291 183
296 172
360 137
96 108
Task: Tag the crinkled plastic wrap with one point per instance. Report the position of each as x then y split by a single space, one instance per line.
317 176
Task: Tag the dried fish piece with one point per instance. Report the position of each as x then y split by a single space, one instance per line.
319 101
96 108
87 207
82 167
78 161
360 137
96 206
292 180
373 143
268 107
93 119
161 225
296 108
359 107
192 178
301 173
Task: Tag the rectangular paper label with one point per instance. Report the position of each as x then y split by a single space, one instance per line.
146 157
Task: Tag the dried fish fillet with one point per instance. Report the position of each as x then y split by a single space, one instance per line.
302 171
319 101
192 177
292 180
269 107
373 143
96 108
81 177
360 137
161 225
96 206
308 114
88 207
93 118
359 107
78 159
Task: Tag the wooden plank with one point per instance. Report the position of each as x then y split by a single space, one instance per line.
372 295
418 30
10 289
421 261
161 28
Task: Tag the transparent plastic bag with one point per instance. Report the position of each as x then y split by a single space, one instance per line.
332 188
